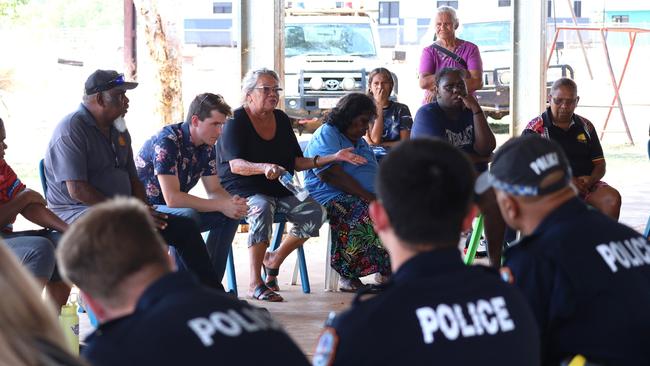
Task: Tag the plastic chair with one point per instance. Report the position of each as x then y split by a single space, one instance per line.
475 240
81 308
41 174
280 220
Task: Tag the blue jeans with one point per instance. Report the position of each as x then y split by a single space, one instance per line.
222 231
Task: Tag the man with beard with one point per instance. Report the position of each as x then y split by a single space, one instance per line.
89 159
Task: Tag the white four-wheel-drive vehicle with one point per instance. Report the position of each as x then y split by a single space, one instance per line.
326 57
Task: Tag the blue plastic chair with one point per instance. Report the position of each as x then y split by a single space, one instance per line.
41 174
280 220
80 305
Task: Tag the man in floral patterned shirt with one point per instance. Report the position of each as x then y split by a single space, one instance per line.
171 163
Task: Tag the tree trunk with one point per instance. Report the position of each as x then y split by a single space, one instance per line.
165 51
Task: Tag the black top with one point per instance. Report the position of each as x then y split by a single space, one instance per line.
435 310
240 141
178 322
587 279
580 142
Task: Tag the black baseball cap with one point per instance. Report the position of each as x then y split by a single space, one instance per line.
522 165
102 80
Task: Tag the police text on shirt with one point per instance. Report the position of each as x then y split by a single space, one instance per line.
633 252
485 317
231 323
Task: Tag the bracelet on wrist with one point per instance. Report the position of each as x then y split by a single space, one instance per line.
478 112
315 160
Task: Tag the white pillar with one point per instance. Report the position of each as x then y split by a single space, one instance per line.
262 41
528 88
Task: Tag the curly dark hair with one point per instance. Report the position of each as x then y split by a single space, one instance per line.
449 70
350 107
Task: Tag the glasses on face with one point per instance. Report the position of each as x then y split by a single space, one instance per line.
269 89
567 102
449 88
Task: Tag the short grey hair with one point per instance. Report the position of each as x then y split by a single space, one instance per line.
448 10
564 83
250 80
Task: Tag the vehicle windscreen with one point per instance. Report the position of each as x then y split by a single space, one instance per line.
329 40
489 36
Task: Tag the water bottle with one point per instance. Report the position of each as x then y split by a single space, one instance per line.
293 186
69 321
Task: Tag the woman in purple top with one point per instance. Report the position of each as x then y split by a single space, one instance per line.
433 60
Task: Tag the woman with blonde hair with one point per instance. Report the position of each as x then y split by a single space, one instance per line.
29 331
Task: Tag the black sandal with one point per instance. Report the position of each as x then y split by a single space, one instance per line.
272 284
263 293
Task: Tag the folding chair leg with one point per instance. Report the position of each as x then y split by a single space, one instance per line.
331 276
474 240
304 276
276 240
230 273
296 269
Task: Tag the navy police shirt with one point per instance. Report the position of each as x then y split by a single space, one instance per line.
178 322
435 310
587 279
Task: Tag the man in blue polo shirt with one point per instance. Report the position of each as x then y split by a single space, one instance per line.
586 277
151 316
434 310
89 159
171 163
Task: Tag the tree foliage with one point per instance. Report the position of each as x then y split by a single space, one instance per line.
8 8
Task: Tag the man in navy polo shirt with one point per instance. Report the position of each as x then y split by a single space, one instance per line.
89 159
171 163
586 277
434 310
580 143
151 316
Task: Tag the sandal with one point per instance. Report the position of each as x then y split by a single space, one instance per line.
381 279
350 284
264 293
272 284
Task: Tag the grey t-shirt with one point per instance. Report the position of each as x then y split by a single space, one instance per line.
79 151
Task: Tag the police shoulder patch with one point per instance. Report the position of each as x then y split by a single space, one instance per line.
326 347
506 275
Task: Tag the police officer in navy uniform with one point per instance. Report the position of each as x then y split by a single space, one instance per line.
151 316
434 310
586 277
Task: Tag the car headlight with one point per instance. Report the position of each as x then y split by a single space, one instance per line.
504 77
316 83
348 83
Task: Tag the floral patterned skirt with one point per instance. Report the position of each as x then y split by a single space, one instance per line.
356 248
